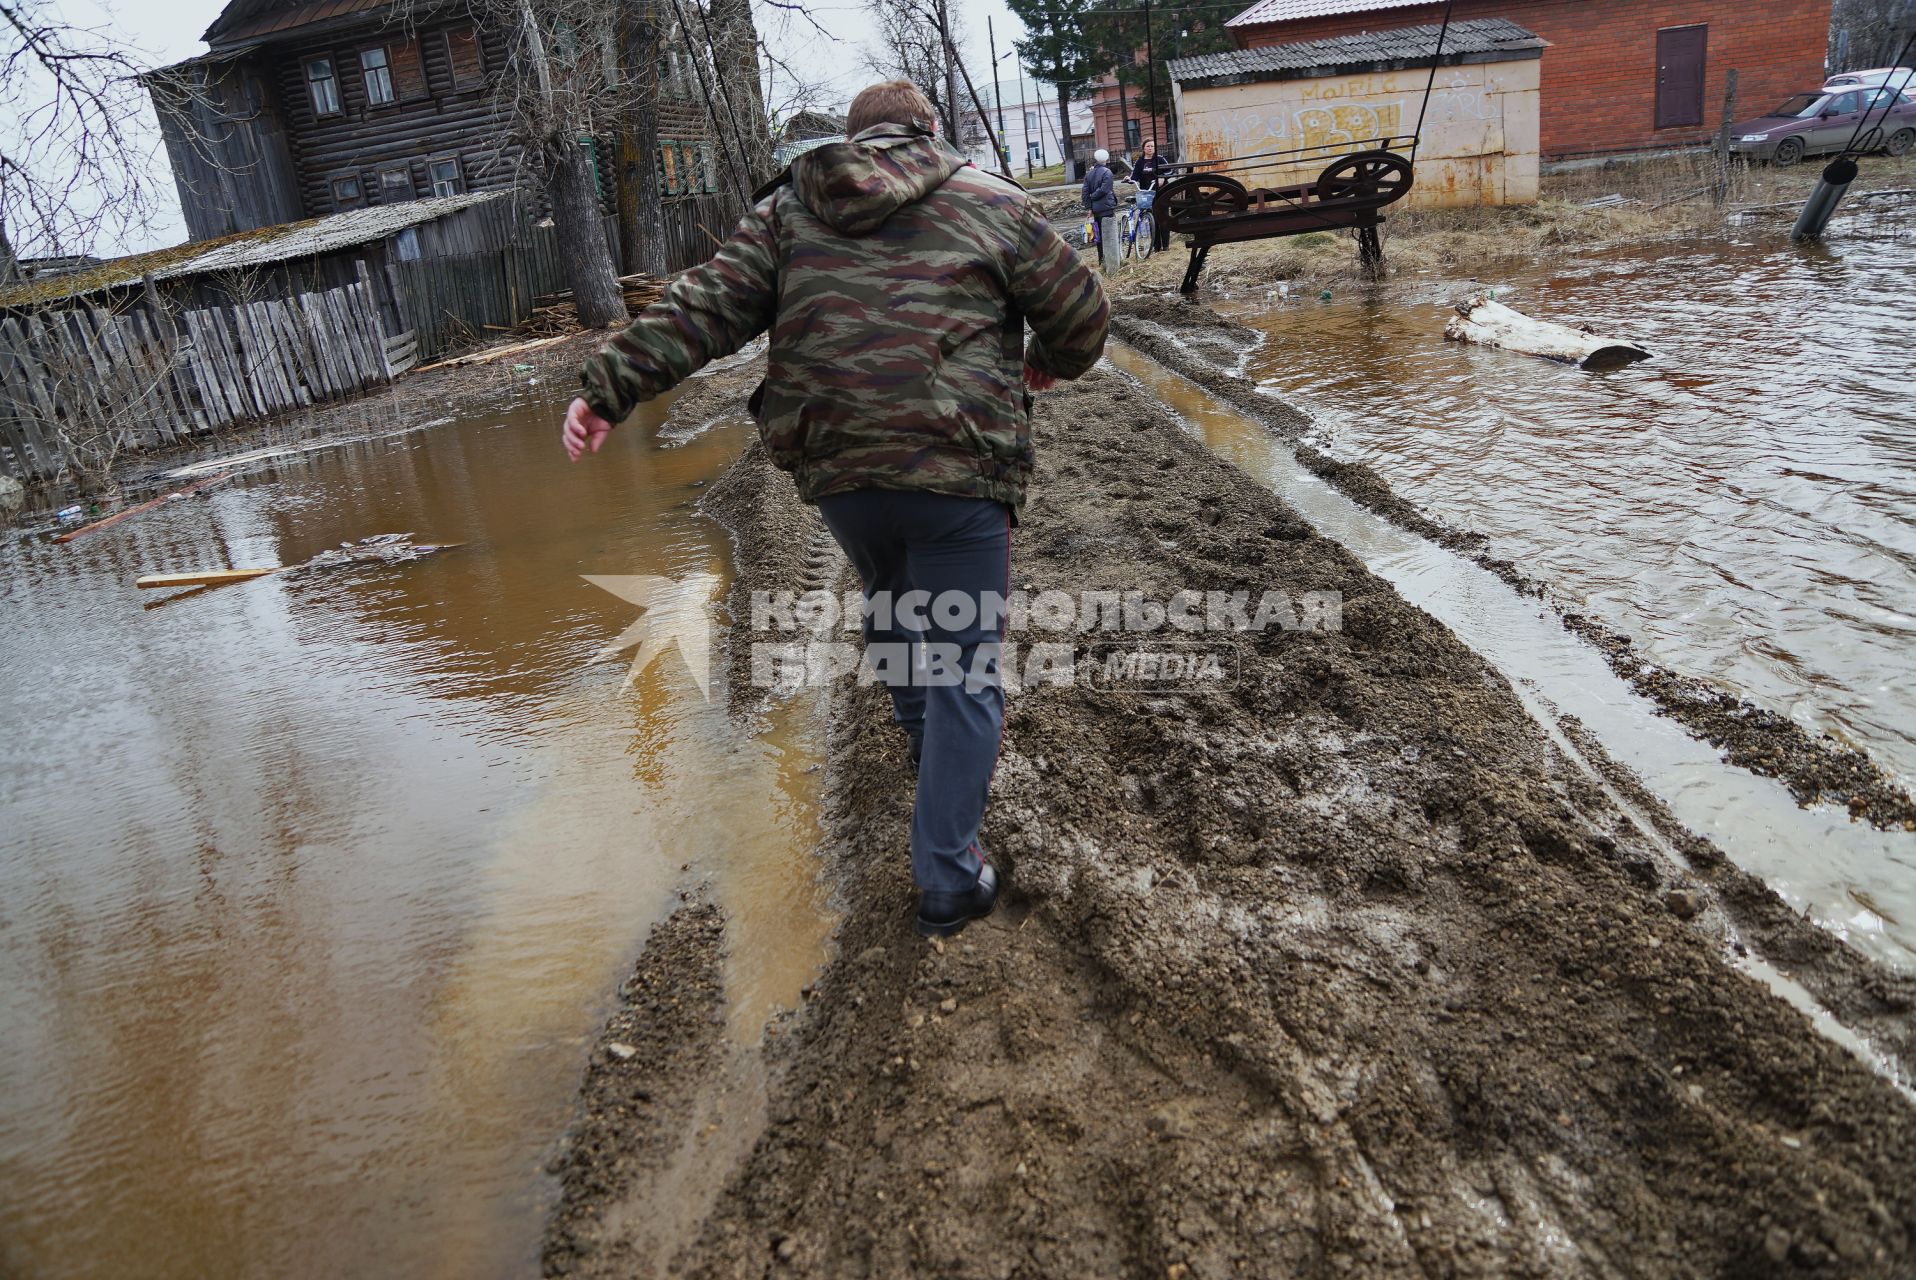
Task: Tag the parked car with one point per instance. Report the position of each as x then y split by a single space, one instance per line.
1900 77
1808 124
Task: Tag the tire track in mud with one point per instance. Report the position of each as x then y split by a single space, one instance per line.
1345 971
1197 343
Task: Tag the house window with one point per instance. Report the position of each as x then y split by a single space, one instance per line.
406 244
1037 153
467 59
379 76
670 167
347 193
444 176
708 168
1031 122
395 185
1680 75
1133 133
324 88
407 71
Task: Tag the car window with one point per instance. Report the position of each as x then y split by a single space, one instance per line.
1800 106
1844 104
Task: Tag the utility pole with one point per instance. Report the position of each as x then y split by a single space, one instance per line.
1151 75
998 98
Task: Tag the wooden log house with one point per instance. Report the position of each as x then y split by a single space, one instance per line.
302 108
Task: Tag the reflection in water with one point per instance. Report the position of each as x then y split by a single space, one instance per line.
312 889
1744 504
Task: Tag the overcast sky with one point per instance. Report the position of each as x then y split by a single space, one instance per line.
164 31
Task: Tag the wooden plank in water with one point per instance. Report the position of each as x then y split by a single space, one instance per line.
203 577
118 516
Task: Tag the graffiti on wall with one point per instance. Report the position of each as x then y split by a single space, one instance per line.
1330 122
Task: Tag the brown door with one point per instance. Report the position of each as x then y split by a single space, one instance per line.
1680 75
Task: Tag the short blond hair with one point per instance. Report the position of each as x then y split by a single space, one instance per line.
893 102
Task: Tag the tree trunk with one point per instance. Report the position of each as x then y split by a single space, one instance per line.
9 265
1490 323
641 226
735 53
582 244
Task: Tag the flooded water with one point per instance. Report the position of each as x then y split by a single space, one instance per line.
1744 504
1858 882
313 888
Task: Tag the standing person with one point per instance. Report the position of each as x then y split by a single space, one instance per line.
1098 194
896 282
1149 174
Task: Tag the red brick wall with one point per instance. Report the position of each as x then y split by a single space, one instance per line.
1600 73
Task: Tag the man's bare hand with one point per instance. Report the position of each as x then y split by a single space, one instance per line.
584 429
1038 380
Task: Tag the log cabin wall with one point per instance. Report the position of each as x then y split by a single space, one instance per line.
443 112
227 147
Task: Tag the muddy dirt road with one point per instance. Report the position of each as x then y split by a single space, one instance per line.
1344 971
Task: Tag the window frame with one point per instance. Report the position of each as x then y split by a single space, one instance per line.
478 76
385 74
341 203
458 175
412 187
330 80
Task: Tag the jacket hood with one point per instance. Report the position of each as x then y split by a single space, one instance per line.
854 186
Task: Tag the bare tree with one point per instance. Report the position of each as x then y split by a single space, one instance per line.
76 161
1868 33
918 42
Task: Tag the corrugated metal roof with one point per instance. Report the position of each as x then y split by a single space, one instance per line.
1287 10
1476 40
326 235
258 248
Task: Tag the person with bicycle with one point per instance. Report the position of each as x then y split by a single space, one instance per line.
1149 174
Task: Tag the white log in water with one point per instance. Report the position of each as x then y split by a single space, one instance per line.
1491 324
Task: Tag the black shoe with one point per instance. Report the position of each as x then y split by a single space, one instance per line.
942 914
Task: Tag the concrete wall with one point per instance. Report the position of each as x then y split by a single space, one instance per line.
1480 134
1600 72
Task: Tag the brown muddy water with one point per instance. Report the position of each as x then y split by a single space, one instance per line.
1743 505
314 889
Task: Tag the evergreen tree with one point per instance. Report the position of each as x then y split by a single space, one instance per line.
1059 48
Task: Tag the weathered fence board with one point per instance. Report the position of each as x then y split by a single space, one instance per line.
84 377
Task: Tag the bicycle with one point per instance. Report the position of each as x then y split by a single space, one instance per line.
1136 230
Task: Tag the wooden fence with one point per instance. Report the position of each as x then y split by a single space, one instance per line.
453 300
83 383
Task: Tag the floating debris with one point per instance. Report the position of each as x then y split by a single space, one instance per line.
1487 322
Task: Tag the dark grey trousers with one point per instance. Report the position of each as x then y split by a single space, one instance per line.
939 661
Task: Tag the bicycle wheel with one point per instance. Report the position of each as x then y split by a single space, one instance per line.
1147 230
1130 235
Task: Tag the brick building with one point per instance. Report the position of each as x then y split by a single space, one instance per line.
1619 75
1115 123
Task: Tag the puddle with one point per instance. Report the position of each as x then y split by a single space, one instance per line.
1817 859
1743 505
314 889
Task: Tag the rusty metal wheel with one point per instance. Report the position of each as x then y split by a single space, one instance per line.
1378 177
1198 197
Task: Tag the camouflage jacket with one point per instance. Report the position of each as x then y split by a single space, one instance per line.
896 282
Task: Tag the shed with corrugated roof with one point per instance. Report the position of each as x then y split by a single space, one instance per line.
1281 113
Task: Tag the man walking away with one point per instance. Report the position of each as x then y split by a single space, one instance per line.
1098 195
896 282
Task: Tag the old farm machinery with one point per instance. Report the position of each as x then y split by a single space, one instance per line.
1213 208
